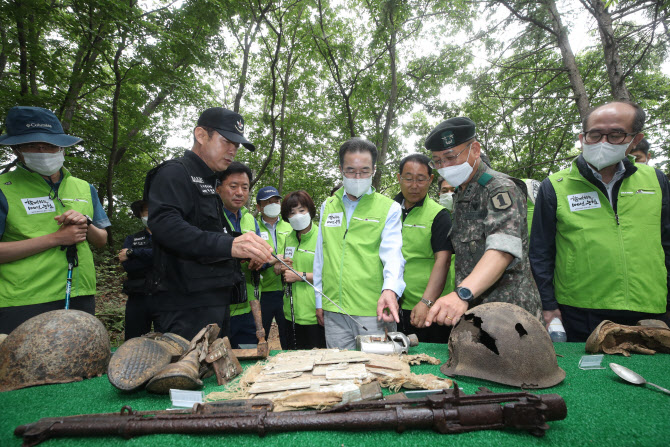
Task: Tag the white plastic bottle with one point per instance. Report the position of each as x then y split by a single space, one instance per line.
557 331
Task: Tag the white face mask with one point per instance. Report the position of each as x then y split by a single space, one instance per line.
458 174
447 200
356 186
604 154
44 163
300 221
272 210
145 221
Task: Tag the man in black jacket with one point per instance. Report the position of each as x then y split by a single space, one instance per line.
196 254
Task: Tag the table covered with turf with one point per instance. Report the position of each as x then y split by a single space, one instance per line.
602 410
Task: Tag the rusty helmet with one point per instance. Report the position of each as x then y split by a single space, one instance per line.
60 346
503 343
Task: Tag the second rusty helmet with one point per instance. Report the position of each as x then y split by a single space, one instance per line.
60 346
503 343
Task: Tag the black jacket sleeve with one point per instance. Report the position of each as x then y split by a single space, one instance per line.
665 224
142 257
439 239
542 253
171 203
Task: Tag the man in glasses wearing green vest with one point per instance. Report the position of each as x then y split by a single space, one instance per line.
426 248
358 262
600 247
489 231
43 211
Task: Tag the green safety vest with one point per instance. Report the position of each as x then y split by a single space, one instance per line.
269 281
606 260
530 201
302 253
418 252
353 273
41 278
247 224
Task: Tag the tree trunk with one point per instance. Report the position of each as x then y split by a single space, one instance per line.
118 80
615 71
23 49
390 111
576 81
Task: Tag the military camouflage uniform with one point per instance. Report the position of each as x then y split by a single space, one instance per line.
490 213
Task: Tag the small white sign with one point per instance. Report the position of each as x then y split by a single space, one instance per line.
265 235
334 220
39 205
289 252
584 201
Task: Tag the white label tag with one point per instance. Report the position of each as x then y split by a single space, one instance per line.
289 252
265 235
584 201
334 220
39 205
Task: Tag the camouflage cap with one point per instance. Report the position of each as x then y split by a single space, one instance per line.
450 133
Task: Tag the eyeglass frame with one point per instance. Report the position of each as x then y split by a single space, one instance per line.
441 162
358 174
607 136
416 181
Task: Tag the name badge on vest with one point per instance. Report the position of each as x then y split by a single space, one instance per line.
289 252
584 201
39 205
334 220
204 188
265 235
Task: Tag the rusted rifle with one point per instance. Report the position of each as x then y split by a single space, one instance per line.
448 412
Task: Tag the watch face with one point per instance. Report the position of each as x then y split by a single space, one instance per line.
464 293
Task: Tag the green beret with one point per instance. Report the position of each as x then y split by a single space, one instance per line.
450 133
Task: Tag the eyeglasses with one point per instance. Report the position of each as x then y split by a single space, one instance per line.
352 173
38 147
437 163
614 137
418 180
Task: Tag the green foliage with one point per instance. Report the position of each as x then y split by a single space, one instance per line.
110 303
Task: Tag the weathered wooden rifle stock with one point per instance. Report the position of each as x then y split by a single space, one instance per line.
448 412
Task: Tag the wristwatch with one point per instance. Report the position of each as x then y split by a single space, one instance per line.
428 303
129 252
464 293
304 276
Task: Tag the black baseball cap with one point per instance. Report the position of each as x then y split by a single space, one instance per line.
35 125
136 207
228 123
450 133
